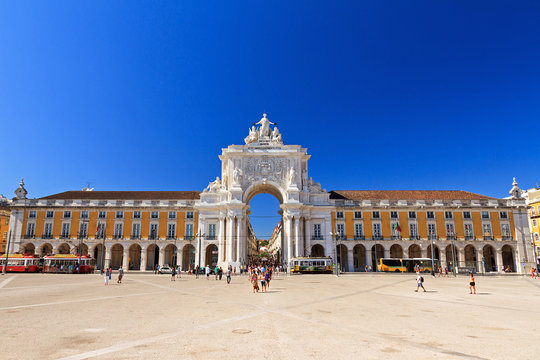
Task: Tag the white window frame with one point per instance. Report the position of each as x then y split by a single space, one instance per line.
136 230
377 230
136 214
84 214
189 230
171 230
49 212
413 230
358 229
65 226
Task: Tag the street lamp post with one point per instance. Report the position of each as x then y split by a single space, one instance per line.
336 266
4 270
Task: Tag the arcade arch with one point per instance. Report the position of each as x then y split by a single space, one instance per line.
117 255
152 256
170 252
488 254
28 248
317 250
211 256
359 257
507 253
134 261
396 251
188 257
46 249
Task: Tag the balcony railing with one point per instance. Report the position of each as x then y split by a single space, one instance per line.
29 236
135 237
396 237
341 237
451 237
317 237
211 237
359 237
152 237
189 237
470 237
47 236
414 237
64 236
488 237
378 237
82 236
171 237
433 237
117 236
507 237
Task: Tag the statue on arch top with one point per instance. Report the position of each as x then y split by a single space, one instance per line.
265 126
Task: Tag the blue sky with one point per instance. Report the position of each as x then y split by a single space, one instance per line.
131 95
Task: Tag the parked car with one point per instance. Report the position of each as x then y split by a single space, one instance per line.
165 269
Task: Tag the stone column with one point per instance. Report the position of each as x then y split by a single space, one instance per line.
307 228
442 255
143 259
369 260
328 238
461 258
108 257
239 239
296 237
180 258
221 236
350 260
498 255
125 259
230 239
287 249
161 259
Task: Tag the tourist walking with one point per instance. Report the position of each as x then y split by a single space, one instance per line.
197 269
472 285
207 272
534 273
173 274
267 277
220 273
254 281
263 281
216 271
419 282
120 275
106 276
228 275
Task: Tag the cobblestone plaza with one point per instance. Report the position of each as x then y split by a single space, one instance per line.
355 316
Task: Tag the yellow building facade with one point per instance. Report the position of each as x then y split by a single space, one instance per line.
533 201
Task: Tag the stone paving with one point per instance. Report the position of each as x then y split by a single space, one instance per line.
355 316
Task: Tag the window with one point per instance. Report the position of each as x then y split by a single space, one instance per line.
532 211
67 214
84 214
189 230
171 230
83 229
47 233
536 237
376 215
487 229
503 214
357 214
448 215
136 214
339 215
153 231
154 215
358 230
100 231
65 230
50 214
430 215
119 214
118 230
450 231
534 222
189 215
317 232
32 214
485 215
340 231
413 231
466 214
505 230
412 214
172 214
468 231
212 231
377 230
31 229
393 214
102 214
432 231
136 233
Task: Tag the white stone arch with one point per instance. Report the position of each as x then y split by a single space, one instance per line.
264 187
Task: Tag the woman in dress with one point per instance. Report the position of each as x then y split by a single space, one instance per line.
254 281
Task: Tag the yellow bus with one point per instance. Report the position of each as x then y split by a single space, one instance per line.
405 265
395 265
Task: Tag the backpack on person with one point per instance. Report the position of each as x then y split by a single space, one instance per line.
421 279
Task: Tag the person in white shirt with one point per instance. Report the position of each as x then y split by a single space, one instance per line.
419 282
207 272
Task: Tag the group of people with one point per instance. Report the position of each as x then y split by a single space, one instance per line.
534 273
420 281
260 274
108 275
443 273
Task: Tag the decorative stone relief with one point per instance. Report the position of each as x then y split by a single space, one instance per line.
265 169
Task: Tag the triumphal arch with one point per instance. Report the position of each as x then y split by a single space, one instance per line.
263 165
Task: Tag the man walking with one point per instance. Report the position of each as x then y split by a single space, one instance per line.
228 275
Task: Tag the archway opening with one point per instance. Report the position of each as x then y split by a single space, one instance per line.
81 248
152 257
188 257
317 250
396 251
488 254
342 257
436 253
29 249
98 255
415 251
117 255
211 256
377 252
452 257
470 256
46 249
508 258
134 261
264 226
63 249
359 258
170 255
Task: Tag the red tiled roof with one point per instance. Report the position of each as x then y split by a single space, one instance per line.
406 195
124 195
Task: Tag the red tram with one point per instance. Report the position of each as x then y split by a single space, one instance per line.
20 263
67 263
